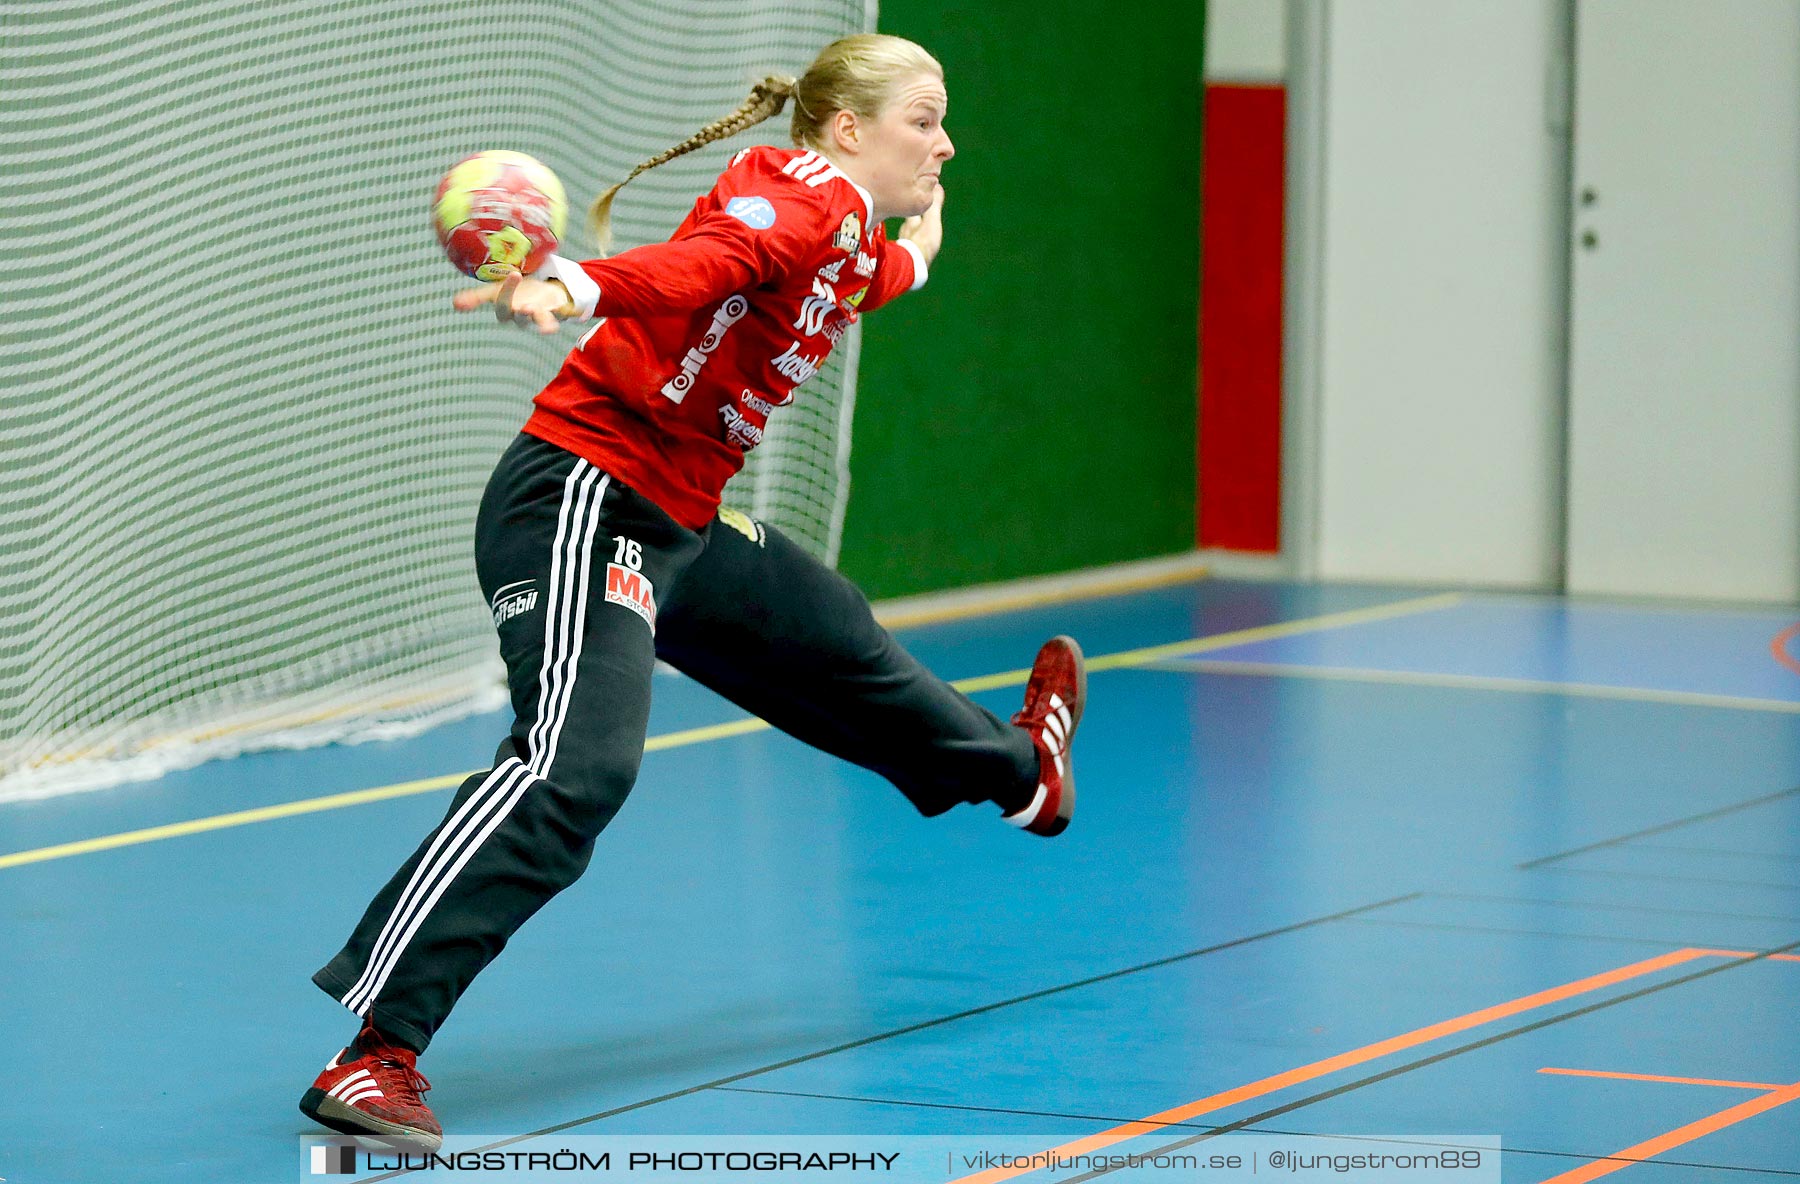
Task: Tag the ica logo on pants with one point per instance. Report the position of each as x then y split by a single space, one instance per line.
626 583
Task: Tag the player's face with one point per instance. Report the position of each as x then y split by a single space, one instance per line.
906 148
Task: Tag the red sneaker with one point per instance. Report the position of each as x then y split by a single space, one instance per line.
1053 700
372 1088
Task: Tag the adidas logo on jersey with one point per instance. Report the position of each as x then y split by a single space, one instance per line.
812 168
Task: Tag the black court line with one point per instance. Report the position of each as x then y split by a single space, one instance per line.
1111 1119
1215 1129
1612 906
1662 828
1718 851
1459 1050
1504 931
923 1025
1671 878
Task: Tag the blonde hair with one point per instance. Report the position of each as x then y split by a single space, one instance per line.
855 74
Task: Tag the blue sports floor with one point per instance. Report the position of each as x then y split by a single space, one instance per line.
1347 860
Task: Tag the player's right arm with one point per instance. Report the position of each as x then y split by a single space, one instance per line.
758 230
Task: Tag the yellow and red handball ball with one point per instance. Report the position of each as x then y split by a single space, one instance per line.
497 212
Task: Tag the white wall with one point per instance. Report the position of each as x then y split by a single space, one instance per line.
1246 40
1439 307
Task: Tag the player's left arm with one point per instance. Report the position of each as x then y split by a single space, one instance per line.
926 231
905 262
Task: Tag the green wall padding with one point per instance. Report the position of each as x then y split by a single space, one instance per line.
1032 409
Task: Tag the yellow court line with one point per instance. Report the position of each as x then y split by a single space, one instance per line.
196 826
336 801
737 727
1222 641
907 618
896 617
718 732
1472 682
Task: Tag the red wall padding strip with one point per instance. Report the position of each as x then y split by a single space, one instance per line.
1239 461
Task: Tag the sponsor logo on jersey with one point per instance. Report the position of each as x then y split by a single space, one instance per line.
632 589
754 212
741 522
729 314
865 263
514 600
757 403
855 298
836 330
738 428
795 366
849 233
815 308
829 273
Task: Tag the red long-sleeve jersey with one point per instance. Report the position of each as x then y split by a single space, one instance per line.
702 337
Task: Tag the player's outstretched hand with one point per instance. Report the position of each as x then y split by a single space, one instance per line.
520 301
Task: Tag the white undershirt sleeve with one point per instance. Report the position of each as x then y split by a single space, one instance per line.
582 288
920 271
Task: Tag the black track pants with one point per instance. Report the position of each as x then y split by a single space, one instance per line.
590 583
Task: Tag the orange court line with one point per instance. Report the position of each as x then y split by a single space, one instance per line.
1658 1077
1344 1060
1781 1096
1778 647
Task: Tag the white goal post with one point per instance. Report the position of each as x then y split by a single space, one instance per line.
243 434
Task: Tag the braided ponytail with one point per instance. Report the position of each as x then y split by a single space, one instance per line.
767 98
